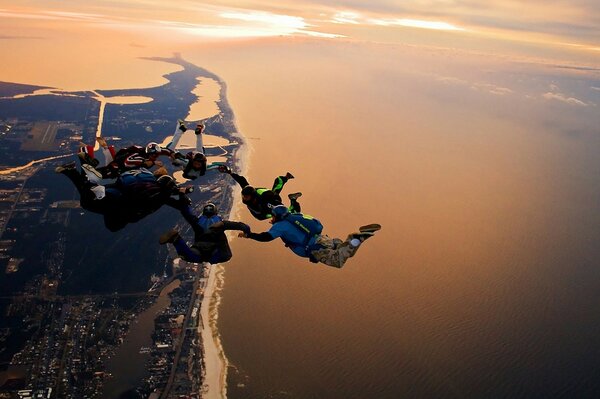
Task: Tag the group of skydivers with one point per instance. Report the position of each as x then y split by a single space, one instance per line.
120 186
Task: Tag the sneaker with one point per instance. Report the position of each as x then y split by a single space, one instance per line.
91 172
64 167
199 129
181 126
85 158
288 175
169 236
99 192
361 236
370 228
294 196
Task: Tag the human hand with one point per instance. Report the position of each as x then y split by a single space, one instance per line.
224 169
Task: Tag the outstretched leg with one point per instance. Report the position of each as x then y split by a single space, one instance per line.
188 254
294 204
199 133
335 252
280 182
179 130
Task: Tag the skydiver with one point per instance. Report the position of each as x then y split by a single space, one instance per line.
129 158
194 163
210 242
302 234
135 195
259 200
134 157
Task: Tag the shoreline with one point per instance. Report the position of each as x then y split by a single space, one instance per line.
215 360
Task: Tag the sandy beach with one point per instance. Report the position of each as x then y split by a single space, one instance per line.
215 360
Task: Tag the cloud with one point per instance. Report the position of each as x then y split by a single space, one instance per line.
346 17
253 24
415 23
492 89
562 97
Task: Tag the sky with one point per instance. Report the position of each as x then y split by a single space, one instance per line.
557 26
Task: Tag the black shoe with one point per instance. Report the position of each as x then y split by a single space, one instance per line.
181 126
370 228
169 236
86 159
294 196
199 129
288 175
64 167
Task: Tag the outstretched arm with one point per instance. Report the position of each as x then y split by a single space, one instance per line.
229 225
262 237
241 180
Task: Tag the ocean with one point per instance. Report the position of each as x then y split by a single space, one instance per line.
484 174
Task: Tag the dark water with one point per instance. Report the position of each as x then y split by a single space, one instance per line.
485 279
128 366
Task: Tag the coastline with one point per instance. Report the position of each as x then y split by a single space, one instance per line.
215 360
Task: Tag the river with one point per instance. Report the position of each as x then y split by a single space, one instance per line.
128 366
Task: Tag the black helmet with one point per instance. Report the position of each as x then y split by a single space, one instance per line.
248 190
167 183
209 210
152 148
198 156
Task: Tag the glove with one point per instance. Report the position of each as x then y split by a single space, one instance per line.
224 169
246 229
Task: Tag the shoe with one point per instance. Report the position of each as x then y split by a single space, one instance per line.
370 228
89 169
361 236
64 167
85 158
169 236
294 196
199 129
288 175
99 192
181 125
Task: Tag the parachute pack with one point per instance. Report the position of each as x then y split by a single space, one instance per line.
307 224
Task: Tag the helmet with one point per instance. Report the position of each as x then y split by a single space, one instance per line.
209 209
248 190
152 148
279 212
198 156
167 183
